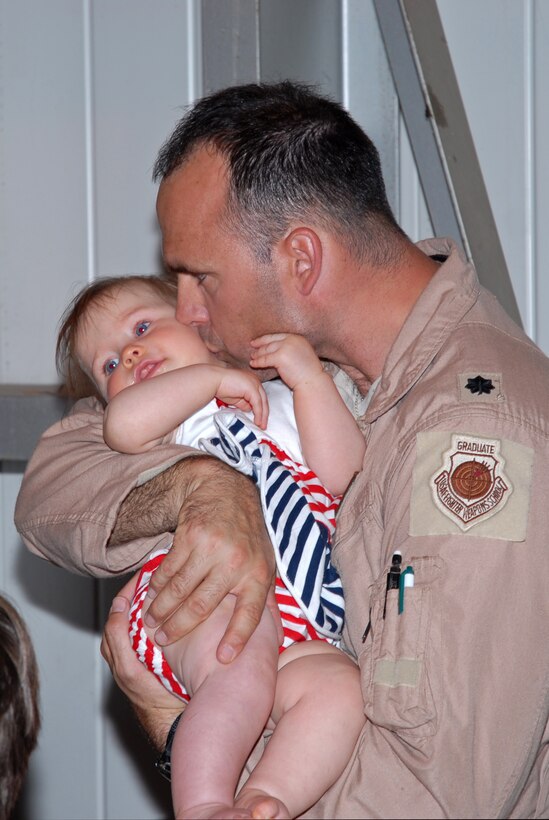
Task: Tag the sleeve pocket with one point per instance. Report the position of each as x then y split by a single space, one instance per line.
400 662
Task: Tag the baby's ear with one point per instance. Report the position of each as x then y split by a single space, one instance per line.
302 249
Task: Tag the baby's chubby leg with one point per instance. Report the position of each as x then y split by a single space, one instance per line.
229 707
318 714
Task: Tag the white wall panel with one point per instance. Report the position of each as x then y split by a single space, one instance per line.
539 171
301 40
42 174
143 73
368 91
412 213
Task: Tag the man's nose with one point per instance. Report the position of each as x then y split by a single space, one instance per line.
191 309
131 354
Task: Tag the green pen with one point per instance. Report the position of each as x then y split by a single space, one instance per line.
406 581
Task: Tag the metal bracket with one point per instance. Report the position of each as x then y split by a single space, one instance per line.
441 140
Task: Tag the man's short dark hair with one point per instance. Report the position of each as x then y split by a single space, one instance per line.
292 155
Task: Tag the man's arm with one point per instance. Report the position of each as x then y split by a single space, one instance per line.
220 545
75 487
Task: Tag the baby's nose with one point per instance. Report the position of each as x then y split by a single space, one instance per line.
131 354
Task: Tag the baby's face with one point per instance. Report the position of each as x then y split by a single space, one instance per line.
133 335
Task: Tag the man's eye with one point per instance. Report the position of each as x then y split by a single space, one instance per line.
142 328
110 366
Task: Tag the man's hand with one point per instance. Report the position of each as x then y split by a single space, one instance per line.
155 707
220 546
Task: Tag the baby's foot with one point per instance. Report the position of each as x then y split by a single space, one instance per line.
262 806
214 811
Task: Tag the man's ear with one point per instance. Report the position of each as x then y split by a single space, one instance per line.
303 252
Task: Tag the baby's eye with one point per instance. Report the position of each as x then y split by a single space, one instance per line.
110 366
141 328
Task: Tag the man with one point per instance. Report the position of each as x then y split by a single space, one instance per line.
274 218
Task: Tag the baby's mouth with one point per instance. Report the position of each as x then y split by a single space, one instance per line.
147 369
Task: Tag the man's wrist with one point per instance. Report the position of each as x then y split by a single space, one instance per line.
156 723
164 761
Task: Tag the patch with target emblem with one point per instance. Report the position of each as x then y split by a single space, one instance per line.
470 484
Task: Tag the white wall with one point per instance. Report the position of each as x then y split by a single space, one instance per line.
89 89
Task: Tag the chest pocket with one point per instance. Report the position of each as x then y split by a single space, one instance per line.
400 661
357 539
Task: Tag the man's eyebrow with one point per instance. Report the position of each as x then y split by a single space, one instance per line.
177 266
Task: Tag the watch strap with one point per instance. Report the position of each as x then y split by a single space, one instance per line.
164 762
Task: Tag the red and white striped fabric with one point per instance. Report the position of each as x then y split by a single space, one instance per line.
147 652
295 626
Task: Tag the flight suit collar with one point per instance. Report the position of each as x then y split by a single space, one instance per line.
450 294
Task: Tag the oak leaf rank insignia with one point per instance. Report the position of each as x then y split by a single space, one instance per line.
479 385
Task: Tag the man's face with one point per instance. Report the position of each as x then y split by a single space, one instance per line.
223 290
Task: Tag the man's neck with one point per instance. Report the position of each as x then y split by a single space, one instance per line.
375 314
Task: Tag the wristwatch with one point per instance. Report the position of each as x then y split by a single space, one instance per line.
164 762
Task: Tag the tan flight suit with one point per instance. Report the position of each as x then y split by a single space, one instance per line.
456 477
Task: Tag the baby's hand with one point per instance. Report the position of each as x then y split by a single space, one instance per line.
244 390
291 355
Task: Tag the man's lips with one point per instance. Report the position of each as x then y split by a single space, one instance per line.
147 369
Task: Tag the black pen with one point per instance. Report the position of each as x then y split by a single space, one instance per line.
368 627
393 576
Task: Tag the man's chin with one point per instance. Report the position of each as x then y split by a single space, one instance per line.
223 357
266 375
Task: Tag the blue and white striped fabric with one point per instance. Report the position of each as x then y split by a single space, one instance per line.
299 513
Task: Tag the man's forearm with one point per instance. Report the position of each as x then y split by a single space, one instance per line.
156 723
153 508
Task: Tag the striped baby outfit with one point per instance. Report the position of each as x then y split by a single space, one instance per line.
300 518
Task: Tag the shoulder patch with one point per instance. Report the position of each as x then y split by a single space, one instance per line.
480 387
471 484
464 482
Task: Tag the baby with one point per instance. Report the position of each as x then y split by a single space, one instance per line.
120 339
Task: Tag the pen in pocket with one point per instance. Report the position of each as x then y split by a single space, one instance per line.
406 582
393 576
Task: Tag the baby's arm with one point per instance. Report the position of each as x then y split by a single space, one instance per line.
139 416
332 444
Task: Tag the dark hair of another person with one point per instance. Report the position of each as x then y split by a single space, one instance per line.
19 711
292 155
77 383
